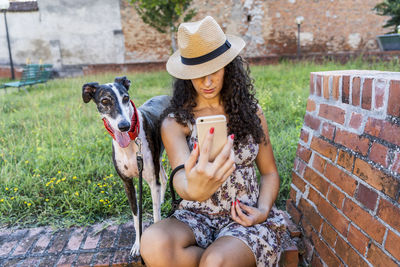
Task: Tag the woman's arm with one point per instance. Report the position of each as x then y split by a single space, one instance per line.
201 178
269 187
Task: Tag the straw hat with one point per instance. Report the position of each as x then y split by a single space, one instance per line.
203 49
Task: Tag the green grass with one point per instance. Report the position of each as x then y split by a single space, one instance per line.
55 156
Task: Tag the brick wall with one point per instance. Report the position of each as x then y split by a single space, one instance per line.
346 176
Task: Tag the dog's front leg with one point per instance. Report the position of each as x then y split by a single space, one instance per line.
155 190
131 194
163 181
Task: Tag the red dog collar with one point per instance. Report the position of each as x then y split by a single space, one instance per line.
135 125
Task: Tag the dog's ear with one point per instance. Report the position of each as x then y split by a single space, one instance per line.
88 91
123 81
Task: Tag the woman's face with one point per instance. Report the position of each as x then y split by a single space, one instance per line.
209 86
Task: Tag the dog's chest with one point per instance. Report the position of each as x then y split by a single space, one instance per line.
126 163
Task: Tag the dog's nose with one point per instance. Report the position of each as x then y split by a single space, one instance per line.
124 126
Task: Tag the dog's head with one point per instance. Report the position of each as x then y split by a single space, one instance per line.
112 100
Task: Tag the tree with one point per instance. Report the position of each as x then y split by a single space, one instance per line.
164 15
390 8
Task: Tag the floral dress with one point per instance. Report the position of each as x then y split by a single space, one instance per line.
211 219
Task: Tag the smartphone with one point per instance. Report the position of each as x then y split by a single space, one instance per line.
204 124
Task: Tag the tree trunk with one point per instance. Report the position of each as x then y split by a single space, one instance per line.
173 41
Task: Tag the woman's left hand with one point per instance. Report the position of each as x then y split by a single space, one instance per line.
247 215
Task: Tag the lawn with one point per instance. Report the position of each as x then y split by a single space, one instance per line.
55 155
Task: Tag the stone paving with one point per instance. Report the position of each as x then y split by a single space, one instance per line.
98 245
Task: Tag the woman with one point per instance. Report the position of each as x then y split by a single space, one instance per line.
225 218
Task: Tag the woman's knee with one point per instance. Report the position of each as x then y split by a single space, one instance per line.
212 259
153 243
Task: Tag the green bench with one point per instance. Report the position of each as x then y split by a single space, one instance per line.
32 74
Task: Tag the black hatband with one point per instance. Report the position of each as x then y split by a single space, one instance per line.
207 57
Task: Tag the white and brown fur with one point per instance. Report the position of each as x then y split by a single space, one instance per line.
118 111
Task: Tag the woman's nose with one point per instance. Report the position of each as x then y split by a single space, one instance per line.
207 81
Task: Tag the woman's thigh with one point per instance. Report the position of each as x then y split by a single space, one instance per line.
170 242
228 251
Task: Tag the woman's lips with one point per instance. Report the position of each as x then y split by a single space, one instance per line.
208 91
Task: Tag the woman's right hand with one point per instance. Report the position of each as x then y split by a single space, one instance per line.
205 177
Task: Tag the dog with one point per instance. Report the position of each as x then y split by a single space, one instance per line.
125 122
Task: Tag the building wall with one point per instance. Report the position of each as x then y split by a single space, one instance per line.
269 27
62 32
77 32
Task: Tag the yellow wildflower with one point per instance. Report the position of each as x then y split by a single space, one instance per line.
63 179
111 175
102 192
76 193
29 204
74 178
12 198
6 188
15 189
27 161
47 200
101 200
2 200
59 172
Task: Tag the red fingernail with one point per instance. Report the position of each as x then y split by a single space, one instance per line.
211 130
235 203
195 146
238 201
232 136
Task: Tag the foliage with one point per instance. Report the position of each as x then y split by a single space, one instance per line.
390 8
55 155
164 15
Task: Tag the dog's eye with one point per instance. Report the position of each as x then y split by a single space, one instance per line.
105 102
125 99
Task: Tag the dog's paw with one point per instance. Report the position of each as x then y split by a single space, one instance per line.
135 251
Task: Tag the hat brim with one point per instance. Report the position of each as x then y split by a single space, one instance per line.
176 68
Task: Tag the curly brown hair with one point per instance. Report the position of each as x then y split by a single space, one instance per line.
237 97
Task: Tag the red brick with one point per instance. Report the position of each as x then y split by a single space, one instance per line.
364 220
357 239
392 244
316 261
76 239
7 247
298 182
383 130
374 127
293 211
319 163
355 98
303 153
328 130
316 180
389 213
338 221
312 122
293 193
335 87
355 121
66 260
310 214
336 197
378 258
329 234
341 179
312 87
376 178
93 238
311 106
332 113
304 135
353 141
27 241
299 166
380 85
366 196
324 148
346 160
348 254
326 87
345 89
367 94
43 242
396 163
318 86
84 259
391 133
326 253
394 99
379 154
